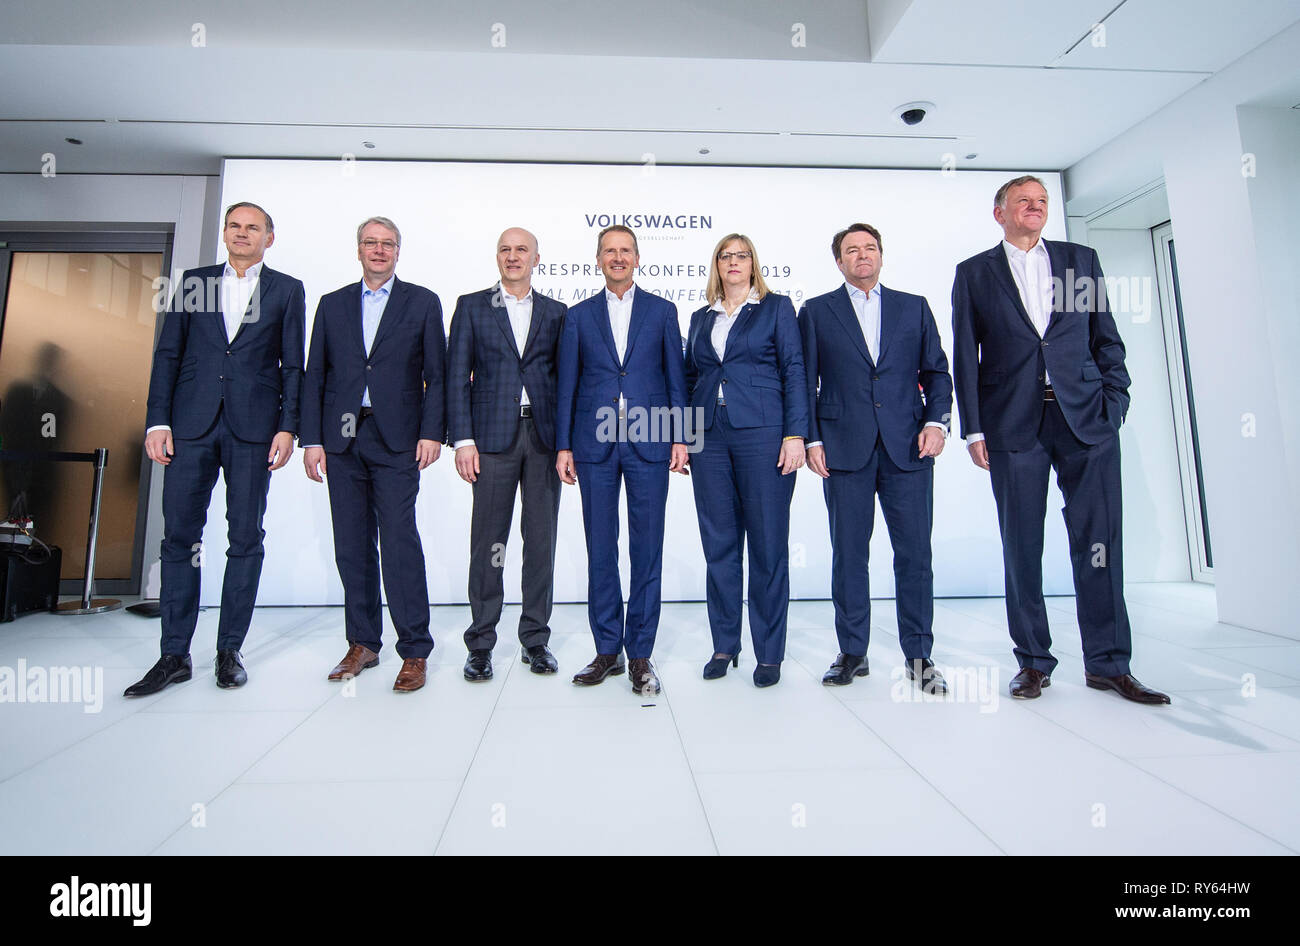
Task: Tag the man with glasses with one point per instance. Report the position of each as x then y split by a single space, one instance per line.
372 413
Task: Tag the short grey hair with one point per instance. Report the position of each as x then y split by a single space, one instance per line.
383 222
1000 198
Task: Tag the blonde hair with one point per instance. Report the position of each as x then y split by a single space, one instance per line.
713 291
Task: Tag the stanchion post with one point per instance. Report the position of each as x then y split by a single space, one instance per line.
88 603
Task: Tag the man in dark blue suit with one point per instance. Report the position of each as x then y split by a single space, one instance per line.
501 422
373 405
223 397
620 398
869 354
1041 385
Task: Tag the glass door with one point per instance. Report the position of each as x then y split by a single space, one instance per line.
76 346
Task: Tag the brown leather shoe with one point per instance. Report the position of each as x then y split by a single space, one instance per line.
358 658
1128 687
411 676
644 681
603 666
1029 684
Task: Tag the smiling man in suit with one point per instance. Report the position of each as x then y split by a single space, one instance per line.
620 397
223 397
1041 385
869 355
501 421
372 412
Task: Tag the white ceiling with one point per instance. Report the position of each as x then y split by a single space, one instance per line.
602 82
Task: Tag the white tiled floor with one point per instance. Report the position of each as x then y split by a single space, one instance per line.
528 764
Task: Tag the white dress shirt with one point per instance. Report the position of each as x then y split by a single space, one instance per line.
866 305
723 324
1032 273
236 293
620 318
520 313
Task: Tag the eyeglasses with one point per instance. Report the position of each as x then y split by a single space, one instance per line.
738 255
387 245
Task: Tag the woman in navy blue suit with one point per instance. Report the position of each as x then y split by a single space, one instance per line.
745 381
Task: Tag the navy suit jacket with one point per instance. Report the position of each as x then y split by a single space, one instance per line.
999 358
257 375
404 370
852 399
486 372
761 372
591 378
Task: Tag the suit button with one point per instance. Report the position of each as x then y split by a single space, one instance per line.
877 404
221 377
622 374
1040 377
227 351
1044 344
724 380
516 400
875 377
370 367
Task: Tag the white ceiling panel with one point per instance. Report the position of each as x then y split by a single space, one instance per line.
991 32
1197 35
590 81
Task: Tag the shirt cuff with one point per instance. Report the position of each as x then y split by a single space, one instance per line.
309 446
462 443
815 443
973 438
165 427
941 426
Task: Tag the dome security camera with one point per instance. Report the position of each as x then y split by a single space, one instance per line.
913 113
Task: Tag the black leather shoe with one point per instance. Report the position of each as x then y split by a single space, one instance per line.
923 672
717 666
169 669
845 668
540 659
1029 684
1128 687
765 675
230 670
478 666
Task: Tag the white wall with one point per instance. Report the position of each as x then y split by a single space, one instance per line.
1272 136
1239 315
1155 530
87 200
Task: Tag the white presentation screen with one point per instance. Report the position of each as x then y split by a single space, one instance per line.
451 214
